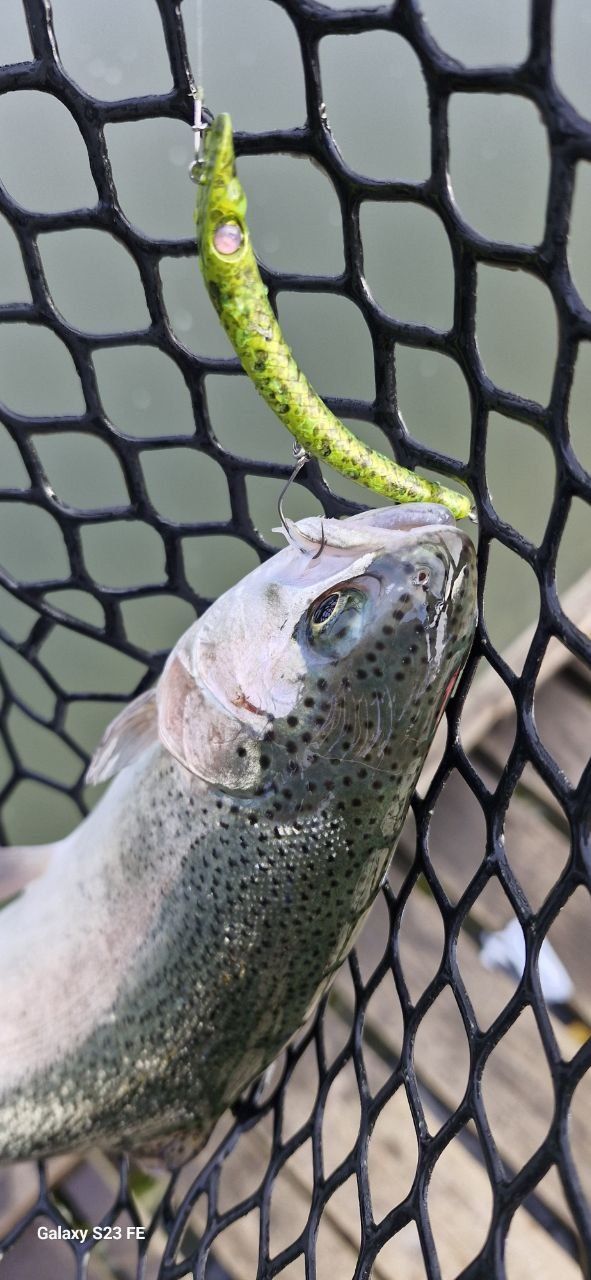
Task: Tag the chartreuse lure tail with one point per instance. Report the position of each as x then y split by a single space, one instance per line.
235 287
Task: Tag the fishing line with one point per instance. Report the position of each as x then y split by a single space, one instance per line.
199 59
197 93
196 81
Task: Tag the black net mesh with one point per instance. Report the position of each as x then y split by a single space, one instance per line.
190 1217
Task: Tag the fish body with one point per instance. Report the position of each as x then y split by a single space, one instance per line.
178 938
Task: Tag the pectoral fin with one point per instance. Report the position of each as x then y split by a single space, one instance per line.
128 735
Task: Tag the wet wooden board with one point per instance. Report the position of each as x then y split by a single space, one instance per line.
41 1259
563 719
580 673
19 1191
89 1186
519 1102
91 1190
489 700
537 852
459 1180
536 842
19 1187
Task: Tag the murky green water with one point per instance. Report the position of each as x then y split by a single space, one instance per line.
377 107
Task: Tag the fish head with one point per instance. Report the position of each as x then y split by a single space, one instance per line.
339 651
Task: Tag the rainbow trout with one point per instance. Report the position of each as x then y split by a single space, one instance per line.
162 954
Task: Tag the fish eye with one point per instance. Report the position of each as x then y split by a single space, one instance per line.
324 610
228 238
334 622
422 577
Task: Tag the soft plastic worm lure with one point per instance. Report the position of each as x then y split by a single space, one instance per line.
237 291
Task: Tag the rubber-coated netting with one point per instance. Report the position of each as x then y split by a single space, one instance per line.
44 618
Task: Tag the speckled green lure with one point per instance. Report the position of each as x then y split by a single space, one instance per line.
237 291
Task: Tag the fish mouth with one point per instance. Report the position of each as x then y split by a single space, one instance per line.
368 531
407 516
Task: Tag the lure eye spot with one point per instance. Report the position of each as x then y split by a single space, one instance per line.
227 238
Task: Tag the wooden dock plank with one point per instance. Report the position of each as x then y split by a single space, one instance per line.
519 1101
91 1190
537 852
459 1179
531 1251
580 674
460 1201
89 1186
563 721
41 1259
19 1187
489 700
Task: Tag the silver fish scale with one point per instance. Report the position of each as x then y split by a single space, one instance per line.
223 978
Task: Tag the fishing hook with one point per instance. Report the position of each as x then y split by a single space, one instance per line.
301 458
